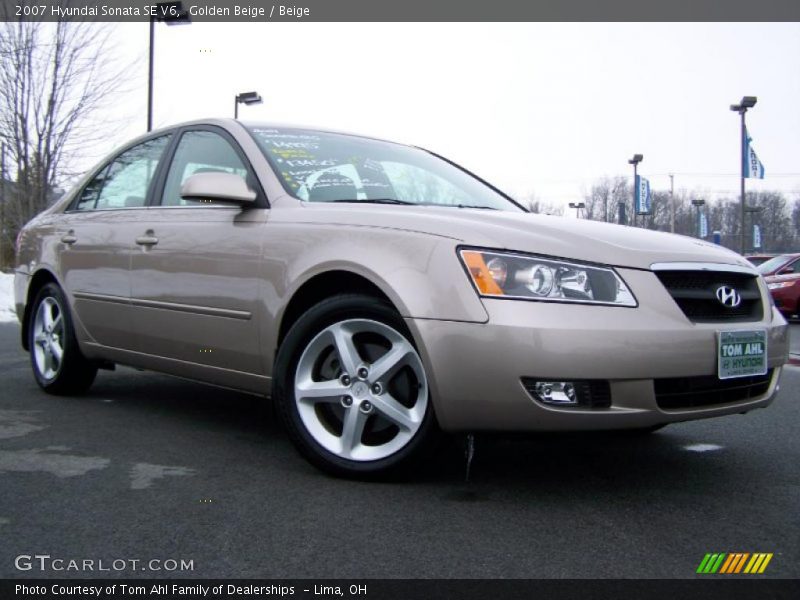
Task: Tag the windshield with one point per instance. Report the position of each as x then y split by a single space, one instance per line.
773 264
328 167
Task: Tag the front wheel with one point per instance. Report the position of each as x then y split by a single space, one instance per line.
352 390
58 364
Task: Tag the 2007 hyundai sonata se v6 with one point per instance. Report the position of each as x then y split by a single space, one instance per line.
379 293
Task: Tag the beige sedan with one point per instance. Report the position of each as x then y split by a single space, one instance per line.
379 293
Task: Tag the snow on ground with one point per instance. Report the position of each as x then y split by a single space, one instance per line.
7 312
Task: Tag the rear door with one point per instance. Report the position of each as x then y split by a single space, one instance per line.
96 234
196 268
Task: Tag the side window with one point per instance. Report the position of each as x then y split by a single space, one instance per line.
124 182
200 152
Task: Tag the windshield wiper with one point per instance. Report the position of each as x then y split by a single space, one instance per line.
472 206
406 202
375 201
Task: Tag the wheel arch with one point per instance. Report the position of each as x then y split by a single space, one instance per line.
324 285
39 279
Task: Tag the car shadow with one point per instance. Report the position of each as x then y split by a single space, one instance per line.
549 466
579 468
195 403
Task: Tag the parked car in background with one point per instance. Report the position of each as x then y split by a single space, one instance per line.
757 259
782 264
378 292
785 290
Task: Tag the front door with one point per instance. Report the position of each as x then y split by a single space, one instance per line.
196 268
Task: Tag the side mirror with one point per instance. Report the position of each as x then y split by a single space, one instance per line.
786 271
224 187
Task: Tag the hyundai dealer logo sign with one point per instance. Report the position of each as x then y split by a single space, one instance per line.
728 296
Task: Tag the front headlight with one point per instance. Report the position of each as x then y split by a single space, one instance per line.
506 275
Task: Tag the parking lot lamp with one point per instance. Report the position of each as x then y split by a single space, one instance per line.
171 13
247 98
741 108
577 206
637 158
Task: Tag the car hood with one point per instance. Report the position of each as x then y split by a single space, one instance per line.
787 277
576 239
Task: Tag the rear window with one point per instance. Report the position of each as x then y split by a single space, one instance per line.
124 183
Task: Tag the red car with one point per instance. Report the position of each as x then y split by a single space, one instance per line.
782 275
783 264
759 259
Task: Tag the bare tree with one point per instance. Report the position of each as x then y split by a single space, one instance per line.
55 79
778 219
603 198
536 206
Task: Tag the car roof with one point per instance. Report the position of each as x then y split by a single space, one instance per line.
228 123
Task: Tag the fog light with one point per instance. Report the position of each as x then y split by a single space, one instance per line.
578 393
555 392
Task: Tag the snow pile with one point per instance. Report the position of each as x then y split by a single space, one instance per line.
7 312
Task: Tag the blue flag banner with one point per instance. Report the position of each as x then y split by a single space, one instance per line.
703 225
751 166
756 237
642 196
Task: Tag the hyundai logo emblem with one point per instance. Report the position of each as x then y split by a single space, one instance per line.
728 296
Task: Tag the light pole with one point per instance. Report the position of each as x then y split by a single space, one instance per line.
2 203
577 206
741 108
637 158
171 13
247 98
672 202
698 204
753 211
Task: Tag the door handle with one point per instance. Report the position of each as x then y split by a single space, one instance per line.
69 238
148 239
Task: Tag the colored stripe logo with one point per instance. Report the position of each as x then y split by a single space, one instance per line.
734 563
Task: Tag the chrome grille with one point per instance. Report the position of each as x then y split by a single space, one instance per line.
695 293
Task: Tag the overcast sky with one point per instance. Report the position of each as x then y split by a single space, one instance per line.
534 108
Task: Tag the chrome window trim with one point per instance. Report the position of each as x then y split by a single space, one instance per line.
702 266
227 206
230 205
77 211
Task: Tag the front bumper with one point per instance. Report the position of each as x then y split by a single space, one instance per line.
475 369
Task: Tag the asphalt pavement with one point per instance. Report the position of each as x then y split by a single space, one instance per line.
146 467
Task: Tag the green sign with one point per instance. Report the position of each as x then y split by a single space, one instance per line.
742 353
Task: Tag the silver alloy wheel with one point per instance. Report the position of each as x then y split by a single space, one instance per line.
358 395
48 338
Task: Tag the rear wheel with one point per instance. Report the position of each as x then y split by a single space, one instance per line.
58 364
352 390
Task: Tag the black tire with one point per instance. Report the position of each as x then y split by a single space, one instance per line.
346 308
73 373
